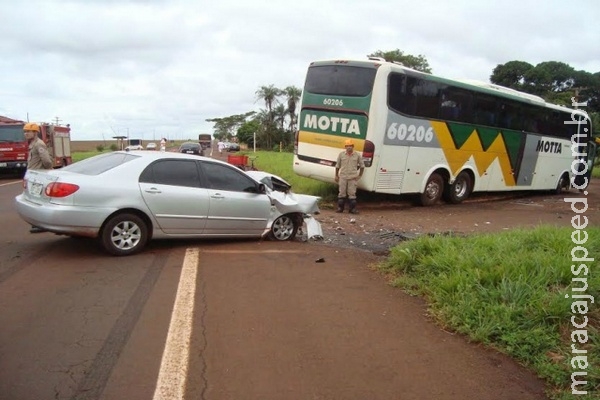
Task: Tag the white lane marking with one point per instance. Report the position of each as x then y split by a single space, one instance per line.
10 183
172 377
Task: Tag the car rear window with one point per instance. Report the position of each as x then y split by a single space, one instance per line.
99 164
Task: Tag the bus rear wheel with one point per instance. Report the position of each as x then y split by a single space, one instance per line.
433 190
563 185
460 189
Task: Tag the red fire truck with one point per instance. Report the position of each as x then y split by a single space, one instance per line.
13 146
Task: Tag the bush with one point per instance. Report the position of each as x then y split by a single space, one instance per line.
100 148
113 147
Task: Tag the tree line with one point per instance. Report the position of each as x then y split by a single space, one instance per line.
273 126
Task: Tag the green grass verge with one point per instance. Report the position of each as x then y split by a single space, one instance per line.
281 164
507 290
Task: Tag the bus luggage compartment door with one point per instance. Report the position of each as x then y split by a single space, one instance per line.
390 169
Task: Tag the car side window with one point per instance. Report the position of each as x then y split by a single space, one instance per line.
172 172
223 177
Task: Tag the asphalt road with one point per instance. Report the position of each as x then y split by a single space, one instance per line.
223 320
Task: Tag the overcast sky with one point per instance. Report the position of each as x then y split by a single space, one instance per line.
154 68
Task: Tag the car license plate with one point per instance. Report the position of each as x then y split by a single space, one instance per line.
36 189
3 164
190 152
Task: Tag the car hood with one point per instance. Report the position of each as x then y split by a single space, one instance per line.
291 202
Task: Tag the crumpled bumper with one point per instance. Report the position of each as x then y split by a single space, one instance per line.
292 203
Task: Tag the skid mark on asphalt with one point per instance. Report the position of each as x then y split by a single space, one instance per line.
91 387
31 259
219 251
172 377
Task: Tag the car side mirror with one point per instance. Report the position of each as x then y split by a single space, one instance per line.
262 188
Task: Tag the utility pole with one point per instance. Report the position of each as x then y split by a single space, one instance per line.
56 121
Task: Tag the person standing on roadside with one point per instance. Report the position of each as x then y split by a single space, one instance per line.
39 158
348 170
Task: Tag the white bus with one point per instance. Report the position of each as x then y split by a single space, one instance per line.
436 137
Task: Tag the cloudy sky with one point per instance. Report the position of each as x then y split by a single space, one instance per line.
154 68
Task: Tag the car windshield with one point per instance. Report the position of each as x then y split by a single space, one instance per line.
99 164
190 146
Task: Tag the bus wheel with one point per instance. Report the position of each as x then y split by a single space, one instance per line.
433 190
460 190
563 184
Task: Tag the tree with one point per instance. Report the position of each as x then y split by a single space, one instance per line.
419 62
227 127
279 115
511 75
269 95
247 131
292 94
267 132
556 82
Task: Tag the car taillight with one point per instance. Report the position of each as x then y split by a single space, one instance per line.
368 152
59 189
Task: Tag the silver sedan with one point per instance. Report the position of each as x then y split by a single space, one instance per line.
127 198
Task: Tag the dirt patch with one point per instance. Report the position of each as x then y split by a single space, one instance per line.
381 225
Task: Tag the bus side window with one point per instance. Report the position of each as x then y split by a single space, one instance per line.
401 93
428 99
455 104
532 116
485 110
509 116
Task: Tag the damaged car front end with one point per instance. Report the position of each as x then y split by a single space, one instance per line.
291 211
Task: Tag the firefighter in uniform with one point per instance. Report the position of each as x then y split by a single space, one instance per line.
348 170
38 158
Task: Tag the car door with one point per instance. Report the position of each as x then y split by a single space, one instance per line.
171 189
236 207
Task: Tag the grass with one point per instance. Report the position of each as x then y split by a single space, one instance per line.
281 164
507 290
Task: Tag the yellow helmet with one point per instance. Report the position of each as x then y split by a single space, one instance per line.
349 142
30 126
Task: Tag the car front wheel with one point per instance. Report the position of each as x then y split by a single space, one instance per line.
284 227
124 234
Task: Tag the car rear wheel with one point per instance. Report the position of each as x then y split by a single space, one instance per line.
124 234
284 227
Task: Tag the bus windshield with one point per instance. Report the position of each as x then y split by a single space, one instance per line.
11 134
340 80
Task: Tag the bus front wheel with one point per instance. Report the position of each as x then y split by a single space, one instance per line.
460 189
433 190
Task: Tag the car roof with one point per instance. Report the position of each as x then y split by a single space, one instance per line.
157 155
